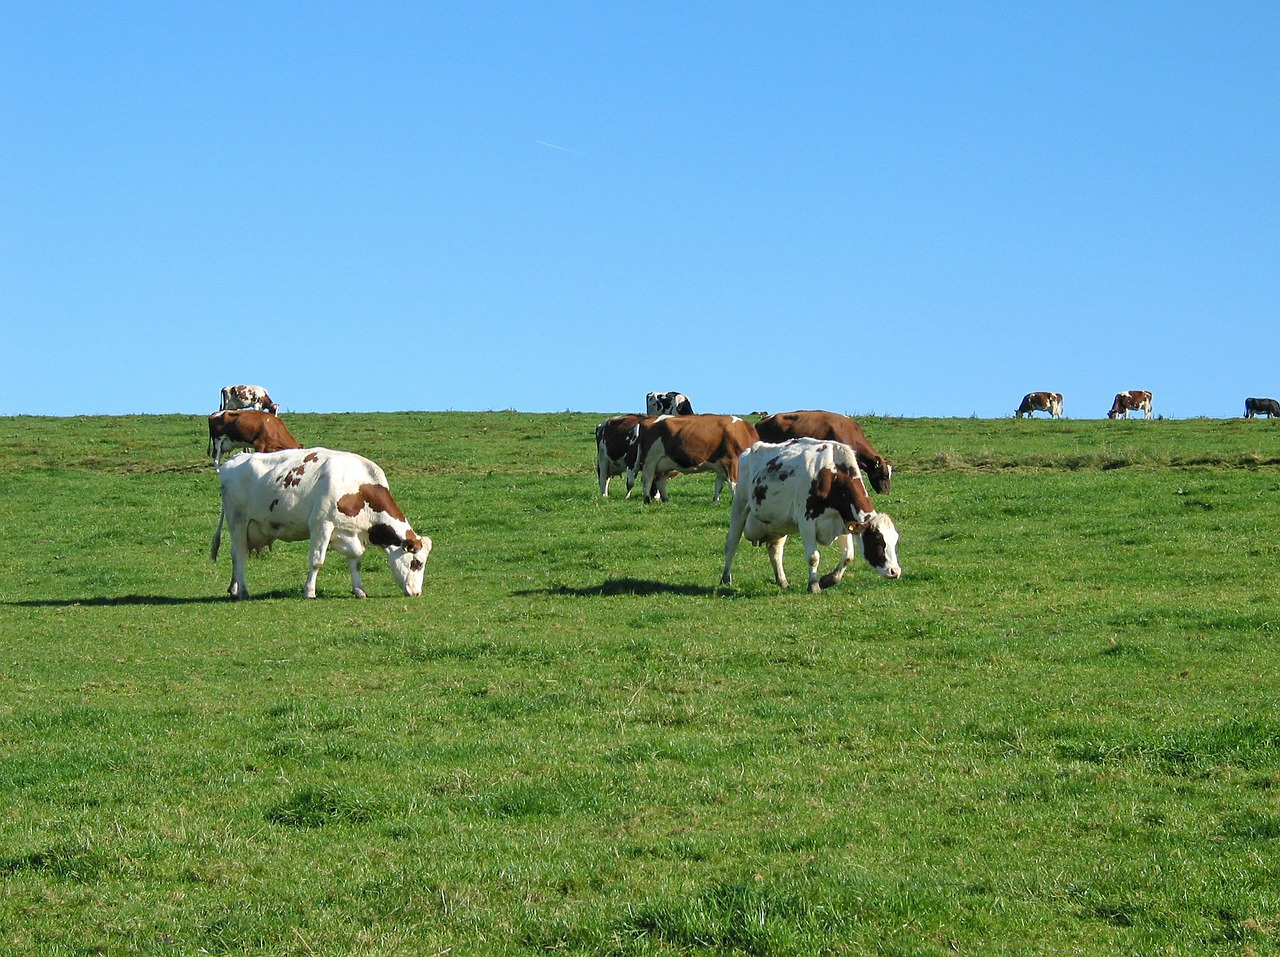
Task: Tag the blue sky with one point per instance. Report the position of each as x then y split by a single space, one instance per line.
875 208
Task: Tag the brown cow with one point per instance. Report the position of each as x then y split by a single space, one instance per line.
692 443
1135 400
832 426
241 427
1050 402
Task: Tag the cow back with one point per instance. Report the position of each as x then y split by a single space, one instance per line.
831 426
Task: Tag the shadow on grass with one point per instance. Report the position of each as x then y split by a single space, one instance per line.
107 601
625 586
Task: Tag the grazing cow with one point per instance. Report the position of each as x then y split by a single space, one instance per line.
667 403
812 487
247 397
331 498
692 443
1267 407
829 425
1135 400
241 427
618 449
1050 402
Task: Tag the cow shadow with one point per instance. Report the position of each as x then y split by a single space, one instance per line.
110 601
623 586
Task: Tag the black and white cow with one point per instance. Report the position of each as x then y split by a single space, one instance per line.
331 498
1267 407
812 487
667 403
618 449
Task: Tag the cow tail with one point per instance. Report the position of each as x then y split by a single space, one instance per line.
217 537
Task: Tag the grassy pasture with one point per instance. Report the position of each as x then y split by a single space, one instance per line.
1057 733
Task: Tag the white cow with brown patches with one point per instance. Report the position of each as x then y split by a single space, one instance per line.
247 397
1135 400
331 498
813 487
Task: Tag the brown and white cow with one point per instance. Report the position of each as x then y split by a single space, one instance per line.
1135 400
618 449
242 427
1268 407
816 424
668 403
247 397
811 487
331 498
692 443
1050 402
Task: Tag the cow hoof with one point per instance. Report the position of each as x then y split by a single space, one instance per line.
814 588
359 593
828 581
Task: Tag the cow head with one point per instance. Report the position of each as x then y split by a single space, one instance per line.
408 562
879 472
878 542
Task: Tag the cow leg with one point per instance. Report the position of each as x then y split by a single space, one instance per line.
357 586
809 536
720 480
737 522
776 546
319 548
239 532
649 479
847 554
602 472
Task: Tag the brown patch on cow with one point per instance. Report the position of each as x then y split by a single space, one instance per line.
311 457
272 506
351 504
760 492
379 499
416 564
293 477
832 488
819 499
384 535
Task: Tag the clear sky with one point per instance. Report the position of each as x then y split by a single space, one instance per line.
891 208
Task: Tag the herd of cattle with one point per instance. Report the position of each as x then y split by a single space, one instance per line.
1135 400
805 473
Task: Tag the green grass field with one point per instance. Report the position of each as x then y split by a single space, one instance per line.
1056 734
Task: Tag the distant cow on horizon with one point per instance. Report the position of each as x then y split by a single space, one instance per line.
247 397
1050 402
1135 400
1267 407
668 403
